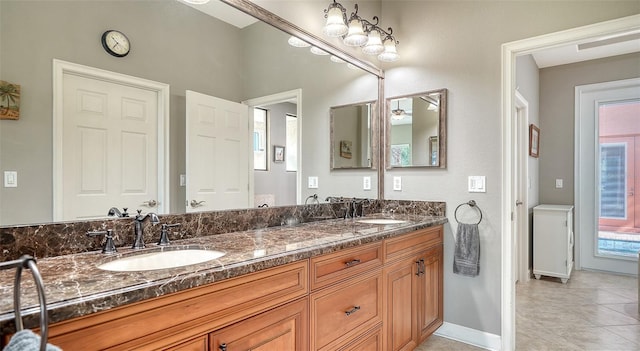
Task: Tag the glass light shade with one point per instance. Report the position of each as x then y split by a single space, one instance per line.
196 2
390 53
336 59
295 41
352 66
374 44
335 26
316 51
356 35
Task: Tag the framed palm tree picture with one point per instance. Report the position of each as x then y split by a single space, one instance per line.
9 100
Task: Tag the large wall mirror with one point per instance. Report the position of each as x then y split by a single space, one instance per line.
416 130
188 50
352 131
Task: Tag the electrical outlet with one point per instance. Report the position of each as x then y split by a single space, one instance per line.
10 179
183 180
477 184
397 183
312 183
366 183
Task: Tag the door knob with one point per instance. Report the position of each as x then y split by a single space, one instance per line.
150 203
195 203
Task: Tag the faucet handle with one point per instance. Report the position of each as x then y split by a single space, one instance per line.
164 233
109 247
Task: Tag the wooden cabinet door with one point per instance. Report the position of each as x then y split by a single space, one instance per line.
401 306
430 284
283 328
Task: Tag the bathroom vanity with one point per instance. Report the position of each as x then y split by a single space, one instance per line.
338 284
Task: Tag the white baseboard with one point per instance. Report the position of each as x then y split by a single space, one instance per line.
469 336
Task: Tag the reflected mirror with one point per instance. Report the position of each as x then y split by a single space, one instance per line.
183 48
416 130
351 129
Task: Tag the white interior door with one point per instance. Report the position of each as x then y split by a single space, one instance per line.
217 153
588 100
109 147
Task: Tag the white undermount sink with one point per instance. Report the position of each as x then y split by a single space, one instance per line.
381 221
161 260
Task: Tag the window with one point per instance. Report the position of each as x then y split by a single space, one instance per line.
291 158
260 139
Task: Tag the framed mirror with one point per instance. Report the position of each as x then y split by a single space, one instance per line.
256 62
417 130
352 130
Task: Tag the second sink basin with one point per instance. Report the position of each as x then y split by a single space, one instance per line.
381 221
161 260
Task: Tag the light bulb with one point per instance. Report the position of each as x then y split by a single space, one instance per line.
390 52
297 42
335 26
316 51
355 36
374 44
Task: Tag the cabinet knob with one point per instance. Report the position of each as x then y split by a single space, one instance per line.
223 347
352 311
352 262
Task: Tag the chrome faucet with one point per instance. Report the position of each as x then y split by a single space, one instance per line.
138 228
114 211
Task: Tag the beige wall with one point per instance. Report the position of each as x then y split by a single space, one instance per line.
457 45
557 122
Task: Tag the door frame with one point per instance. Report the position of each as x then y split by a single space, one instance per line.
584 172
521 259
509 52
294 96
60 68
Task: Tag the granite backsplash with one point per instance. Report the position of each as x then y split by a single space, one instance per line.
62 238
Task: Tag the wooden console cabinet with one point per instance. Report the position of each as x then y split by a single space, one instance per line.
385 295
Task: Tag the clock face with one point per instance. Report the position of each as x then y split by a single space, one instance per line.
116 43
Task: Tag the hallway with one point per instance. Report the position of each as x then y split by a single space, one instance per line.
593 311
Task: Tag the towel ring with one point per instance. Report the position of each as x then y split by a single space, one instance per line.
471 203
27 261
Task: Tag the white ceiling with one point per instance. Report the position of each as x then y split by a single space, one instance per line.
594 48
624 43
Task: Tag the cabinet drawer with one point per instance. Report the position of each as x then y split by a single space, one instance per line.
412 243
334 267
157 323
371 341
341 312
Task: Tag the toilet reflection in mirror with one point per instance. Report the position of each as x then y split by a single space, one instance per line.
416 130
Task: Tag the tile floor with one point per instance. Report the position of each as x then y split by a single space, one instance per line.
593 311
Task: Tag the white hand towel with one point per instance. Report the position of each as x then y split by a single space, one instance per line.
26 340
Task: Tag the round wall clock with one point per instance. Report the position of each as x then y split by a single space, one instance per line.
116 43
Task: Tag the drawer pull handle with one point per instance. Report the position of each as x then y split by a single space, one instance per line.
352 262
420 267
223 347
352 311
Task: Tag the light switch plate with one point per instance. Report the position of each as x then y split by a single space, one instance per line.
397 183
477 184
10 179
366 183
312 183
559 184
183 180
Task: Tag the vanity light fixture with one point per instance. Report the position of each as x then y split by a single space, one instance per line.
361 33
295 41
196 2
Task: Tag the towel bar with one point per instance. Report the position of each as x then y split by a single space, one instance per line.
27 261
472 204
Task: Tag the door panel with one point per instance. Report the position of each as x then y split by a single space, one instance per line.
110 147
217 156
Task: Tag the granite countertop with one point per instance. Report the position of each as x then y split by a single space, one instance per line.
75 287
